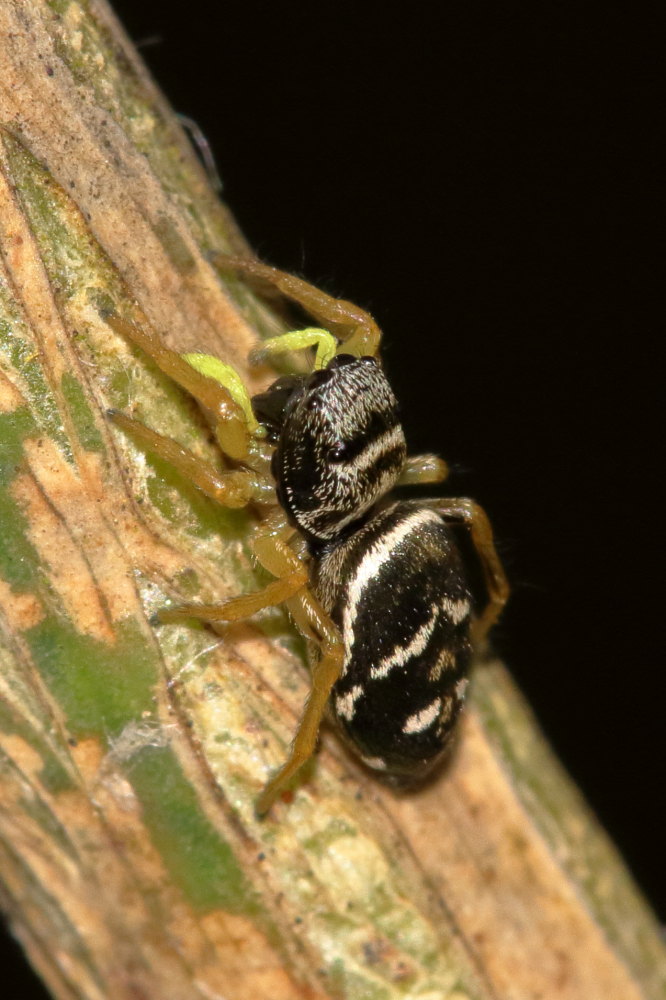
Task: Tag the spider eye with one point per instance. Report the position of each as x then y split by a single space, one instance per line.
338 451
340 360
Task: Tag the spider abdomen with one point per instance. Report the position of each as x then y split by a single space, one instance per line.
397 592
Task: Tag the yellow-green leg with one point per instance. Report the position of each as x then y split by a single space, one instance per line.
349 322
497 585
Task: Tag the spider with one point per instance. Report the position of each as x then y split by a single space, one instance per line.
377 585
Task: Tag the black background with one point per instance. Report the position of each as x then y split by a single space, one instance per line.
484 181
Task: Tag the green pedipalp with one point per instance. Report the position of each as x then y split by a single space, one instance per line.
228 377
297 340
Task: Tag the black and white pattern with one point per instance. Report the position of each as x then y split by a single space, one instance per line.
340 446
389 574
396 590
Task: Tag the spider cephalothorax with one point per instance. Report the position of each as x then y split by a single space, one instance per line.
339 446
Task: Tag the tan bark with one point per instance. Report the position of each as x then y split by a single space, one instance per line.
131 862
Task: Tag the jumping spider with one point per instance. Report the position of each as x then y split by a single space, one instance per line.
376 584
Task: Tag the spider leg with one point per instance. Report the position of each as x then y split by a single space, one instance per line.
235 488
351 324
497 585
274 555
311 618
238 608
291 586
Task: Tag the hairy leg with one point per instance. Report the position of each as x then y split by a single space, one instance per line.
348 321
497 585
